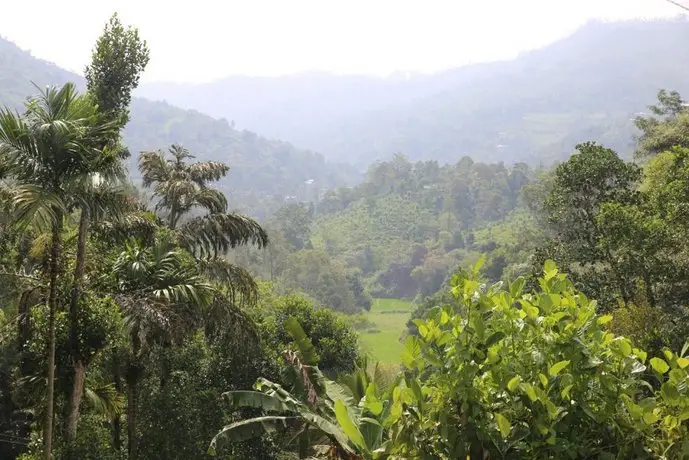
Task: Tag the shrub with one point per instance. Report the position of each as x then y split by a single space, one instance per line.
504 374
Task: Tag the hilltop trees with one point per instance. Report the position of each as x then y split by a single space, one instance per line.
667 127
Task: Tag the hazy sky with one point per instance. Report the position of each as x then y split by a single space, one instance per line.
201 40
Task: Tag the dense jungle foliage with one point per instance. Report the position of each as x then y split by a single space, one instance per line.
147 320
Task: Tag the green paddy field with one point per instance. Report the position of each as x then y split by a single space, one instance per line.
382 338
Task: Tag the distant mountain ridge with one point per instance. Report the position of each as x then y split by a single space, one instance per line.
263 171
533 108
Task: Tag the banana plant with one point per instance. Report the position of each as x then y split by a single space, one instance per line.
321 418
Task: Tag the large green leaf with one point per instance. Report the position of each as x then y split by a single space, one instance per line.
350 429
557 368
371 402
372 432
252 428
494 338
336 391
412 350
333 431
659 365
514 382
306 349
503 425
258 400
549 269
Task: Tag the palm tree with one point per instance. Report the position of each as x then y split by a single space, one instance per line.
46 153
181 190
162 296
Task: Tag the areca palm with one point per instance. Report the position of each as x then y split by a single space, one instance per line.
162 297
47 153
182 190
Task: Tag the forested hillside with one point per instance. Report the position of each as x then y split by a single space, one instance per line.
532 109
400 233
264 171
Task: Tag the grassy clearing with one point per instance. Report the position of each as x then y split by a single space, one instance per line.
389 318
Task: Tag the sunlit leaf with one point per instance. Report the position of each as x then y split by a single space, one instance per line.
347 425
659 365
544 380
514 382
557 368
503 425
529 390
549 269
605 319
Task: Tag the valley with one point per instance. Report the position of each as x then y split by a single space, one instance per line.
488 261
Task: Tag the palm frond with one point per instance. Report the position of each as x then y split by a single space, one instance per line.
208 171
140 226
216 234
105 401
34 205
223 313
161 296
153 168
146 320
241 287
100 198
16 144
212 200
179 153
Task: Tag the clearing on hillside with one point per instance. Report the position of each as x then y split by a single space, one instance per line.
382 339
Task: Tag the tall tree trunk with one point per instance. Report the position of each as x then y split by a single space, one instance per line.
24 327
78 379
117 433
78 364
132 395
133 374
52 309
117 422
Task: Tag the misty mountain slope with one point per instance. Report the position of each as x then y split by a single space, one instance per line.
534 108
262 171
284 106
